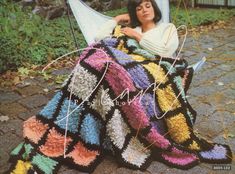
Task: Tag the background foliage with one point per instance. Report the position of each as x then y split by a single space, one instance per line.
27 38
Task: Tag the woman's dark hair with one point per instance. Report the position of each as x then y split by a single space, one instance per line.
131 7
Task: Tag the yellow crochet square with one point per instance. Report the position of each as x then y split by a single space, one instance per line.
157 72
194 146
178 128
167 99
117 31
122 47
137 57
21 167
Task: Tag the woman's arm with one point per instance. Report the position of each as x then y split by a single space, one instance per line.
162 40
107 29
132 33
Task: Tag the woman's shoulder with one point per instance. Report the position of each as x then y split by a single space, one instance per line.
165 25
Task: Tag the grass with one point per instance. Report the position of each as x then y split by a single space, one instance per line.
199 16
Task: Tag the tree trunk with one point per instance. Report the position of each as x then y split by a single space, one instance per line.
97 5
114 4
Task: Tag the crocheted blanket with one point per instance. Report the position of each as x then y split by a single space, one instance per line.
119 100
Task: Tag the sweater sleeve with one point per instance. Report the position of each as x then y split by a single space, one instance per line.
105 30
162 40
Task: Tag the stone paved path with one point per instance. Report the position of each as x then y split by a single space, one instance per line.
212 95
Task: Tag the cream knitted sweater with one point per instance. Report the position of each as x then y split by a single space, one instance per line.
161 40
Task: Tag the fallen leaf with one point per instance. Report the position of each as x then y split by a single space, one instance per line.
23 84
60 79
4 118
220 83
46 76
225 134
23 71
210 49
16 80
231 135
46 90
34 67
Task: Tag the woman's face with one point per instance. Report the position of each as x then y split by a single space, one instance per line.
145 12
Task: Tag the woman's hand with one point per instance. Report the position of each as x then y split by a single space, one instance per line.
123 18
131 33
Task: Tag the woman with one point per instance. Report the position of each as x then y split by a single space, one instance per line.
120 100
143 16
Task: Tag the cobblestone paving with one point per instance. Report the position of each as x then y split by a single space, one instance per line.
212 95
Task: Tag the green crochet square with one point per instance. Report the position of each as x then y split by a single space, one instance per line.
17 150
46 164
27 148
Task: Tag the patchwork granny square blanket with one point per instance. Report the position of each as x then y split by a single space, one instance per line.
119 100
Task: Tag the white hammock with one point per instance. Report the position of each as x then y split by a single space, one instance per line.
89 20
